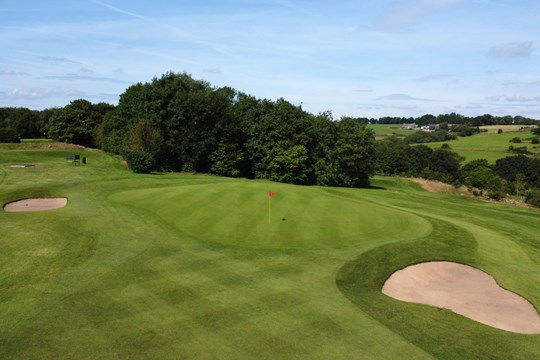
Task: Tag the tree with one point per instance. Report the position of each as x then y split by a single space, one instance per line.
354 155
290 165
472 166
226 160
77 122
533 198
419 158
443 166
8 135
392 156
496 188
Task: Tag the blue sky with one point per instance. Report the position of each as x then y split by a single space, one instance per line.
358 58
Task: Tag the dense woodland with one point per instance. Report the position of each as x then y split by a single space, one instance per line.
177 123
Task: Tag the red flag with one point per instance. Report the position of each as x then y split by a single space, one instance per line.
271 194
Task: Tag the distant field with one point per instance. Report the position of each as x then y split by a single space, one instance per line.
384 130
490 146
182 266
506 128
486 145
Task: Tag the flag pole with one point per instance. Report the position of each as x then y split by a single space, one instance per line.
270 196
269 208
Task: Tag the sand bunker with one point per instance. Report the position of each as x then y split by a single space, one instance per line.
20 166
466 291
35 205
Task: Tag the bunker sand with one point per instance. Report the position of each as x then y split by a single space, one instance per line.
35 205
464 290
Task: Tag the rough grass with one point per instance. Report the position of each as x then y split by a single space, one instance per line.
186 266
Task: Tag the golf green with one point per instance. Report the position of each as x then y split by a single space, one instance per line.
239 213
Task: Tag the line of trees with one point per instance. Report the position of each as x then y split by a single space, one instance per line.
178 123
454 118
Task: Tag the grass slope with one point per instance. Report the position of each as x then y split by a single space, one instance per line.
185 266
490 146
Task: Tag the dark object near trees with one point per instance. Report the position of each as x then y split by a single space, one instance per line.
84 160
74 158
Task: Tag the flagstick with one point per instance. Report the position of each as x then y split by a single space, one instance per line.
269 209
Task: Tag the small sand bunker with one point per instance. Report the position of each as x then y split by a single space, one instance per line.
35 205
466 291
20 166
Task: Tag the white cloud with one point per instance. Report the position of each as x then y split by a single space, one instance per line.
404 15
433 77
56 59
512 49
403 97
215 71
76 77
513 98
41 93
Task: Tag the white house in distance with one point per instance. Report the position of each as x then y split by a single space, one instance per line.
409 127
429 127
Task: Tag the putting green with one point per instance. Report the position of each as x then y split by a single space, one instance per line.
301 217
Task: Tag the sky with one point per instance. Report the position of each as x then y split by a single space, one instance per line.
363 58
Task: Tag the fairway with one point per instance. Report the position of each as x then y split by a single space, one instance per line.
183 266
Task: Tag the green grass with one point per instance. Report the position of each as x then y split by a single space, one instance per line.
384 130
187 266
489 146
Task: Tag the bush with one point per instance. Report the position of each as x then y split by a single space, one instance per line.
519 150
533 198
140 162
535 140
500 131
515 140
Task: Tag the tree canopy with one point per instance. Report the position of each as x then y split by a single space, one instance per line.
185 124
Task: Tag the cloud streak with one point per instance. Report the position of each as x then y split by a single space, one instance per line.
121 11
404 15
77 77
55 59
42 93
403 97
511 50
432 77
13 73
513 98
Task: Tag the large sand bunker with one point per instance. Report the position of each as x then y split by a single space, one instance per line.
35 205
466 291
